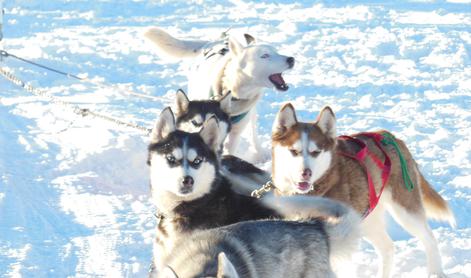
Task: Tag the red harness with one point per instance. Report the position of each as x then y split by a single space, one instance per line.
361 155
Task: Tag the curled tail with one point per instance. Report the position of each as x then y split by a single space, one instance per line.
170 46
435 206
342 222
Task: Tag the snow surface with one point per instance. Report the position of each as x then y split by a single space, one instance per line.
74 197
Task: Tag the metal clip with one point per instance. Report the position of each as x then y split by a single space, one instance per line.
267 187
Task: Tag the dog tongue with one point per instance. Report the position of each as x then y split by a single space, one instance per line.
278 81
303 185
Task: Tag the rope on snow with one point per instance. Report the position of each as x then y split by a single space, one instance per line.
5 54
73 107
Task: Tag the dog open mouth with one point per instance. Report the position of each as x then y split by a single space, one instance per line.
303 186
277 80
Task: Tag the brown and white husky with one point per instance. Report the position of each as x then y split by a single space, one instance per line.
307 159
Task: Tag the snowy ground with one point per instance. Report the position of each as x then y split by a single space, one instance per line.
74 198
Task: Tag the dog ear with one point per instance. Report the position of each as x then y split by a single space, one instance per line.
182 103
168 272
234 46
285 119
164 125
249 39
210 133
225 103
225 268
326 122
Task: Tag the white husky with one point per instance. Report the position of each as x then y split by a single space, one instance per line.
226 65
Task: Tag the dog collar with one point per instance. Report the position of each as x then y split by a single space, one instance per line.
237 118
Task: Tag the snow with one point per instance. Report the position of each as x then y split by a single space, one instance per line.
74 196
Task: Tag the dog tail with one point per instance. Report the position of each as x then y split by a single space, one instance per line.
434 205
244 176
342 223
170 46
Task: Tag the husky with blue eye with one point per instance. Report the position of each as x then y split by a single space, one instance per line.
190 116
187 187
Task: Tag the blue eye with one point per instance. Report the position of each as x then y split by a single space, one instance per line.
170 158
264 56
197 161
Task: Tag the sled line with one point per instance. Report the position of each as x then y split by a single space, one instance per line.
5 54
84 112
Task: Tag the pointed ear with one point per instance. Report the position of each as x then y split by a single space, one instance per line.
225 103
249 39
234 46
285 119
182 103
225 268
210 133
167 272
164 125
326 122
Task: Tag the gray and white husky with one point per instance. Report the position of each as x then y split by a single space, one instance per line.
270 248
190 116
226 65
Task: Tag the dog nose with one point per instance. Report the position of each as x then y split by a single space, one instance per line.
307 173
188 181
290 62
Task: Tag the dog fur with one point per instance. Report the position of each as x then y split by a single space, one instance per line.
187 187
190 116
226 65
270 248
306 160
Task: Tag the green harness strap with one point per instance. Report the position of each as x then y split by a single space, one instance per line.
234 119
388 139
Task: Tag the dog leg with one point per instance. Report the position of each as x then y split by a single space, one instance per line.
374 229
260 154
416 224
231 145
232 141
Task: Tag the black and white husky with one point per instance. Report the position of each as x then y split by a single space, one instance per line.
227 65
187 187
270 248
190 116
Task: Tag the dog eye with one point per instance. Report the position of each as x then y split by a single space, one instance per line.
195 123
294 152
264 56
197 161
315 153
170 159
